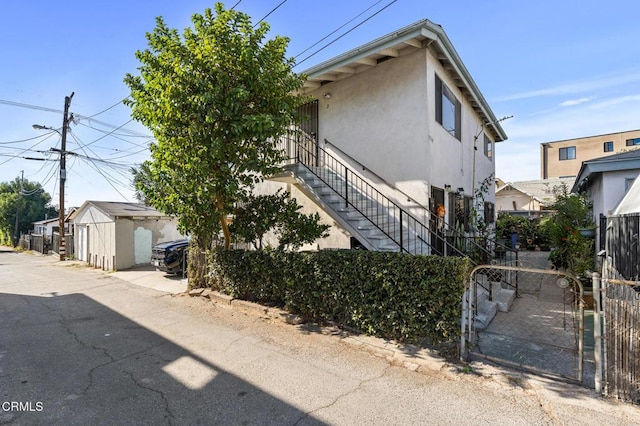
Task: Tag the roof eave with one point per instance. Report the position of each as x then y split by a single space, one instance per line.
422 30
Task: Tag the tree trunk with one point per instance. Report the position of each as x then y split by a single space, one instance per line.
224 224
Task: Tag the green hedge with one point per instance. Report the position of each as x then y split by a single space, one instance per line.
392 295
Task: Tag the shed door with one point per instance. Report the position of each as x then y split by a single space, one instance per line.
83 243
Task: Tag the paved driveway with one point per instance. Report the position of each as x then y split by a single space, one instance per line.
79 346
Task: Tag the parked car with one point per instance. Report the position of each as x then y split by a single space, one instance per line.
170 256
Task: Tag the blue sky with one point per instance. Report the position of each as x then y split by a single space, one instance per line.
563 69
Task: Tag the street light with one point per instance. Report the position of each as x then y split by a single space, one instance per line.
39 127
63 172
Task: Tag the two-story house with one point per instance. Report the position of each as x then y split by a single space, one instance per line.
398 139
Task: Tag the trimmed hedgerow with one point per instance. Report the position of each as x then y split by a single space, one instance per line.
391 295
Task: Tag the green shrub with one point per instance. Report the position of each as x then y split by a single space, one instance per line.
392 295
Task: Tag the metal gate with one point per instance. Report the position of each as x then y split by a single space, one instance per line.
528 318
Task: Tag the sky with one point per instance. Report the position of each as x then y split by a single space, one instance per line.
562 68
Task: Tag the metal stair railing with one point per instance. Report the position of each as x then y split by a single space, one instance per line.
383 213
408 233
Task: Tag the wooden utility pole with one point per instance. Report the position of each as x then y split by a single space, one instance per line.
16 236
63 177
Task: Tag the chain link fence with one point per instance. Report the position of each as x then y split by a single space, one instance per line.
527 317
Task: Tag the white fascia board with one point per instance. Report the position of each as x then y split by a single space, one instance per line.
422 29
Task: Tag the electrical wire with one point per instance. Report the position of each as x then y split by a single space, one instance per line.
267 15
107 109
116 136
344 34
27 150
107 134
111 180
338 29
21 105
26 140
132 133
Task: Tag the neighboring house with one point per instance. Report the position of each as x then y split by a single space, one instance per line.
564 158
402 122
45 227
529 198
606 180
117 235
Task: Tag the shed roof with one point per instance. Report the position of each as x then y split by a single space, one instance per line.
117 209
420 35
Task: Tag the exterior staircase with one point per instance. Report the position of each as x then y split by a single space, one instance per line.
380 224
374 220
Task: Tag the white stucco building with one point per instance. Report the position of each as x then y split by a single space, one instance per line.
607 181
402 115
117 235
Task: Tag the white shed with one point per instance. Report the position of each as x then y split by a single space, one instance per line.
118 235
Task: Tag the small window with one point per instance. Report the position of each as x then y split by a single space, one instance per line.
568 153
627 183
608 146
448 110
488 147
460 216
632 142
489 212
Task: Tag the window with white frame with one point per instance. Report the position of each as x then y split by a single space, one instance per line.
448 110
488 147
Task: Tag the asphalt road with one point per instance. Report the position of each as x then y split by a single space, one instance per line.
80 346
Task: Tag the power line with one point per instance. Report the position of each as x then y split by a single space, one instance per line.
29 139
338 38
116 136
132 133
25 150
338 29
22 105
267 15
107 109
107 134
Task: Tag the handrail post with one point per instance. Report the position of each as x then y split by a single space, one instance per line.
401 242
346 186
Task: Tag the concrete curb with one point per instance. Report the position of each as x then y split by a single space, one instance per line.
408 356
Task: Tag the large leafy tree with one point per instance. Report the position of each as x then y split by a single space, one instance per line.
216 99
276 213
27 202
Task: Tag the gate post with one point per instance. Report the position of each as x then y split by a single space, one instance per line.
463 323
597 331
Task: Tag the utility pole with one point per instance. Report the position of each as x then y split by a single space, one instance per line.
63 177
16 236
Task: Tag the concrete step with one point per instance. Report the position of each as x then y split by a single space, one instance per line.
504 297
486 312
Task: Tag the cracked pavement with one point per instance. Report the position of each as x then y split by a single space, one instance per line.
92 348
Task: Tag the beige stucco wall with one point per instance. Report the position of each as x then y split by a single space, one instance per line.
338 237
385 119
513 200
587 148
136 237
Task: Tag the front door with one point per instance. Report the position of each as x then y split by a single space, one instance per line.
307 138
